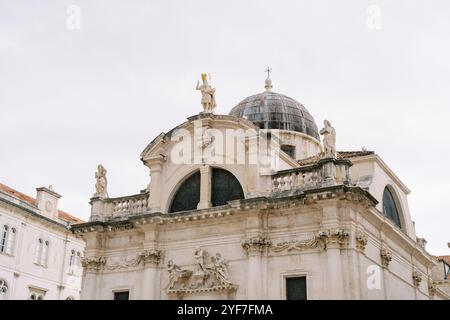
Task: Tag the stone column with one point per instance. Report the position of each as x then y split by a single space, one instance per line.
255 247
91 277
151 259
205 187
155 165
334 239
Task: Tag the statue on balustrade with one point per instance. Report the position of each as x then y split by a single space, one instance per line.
329 139
102 182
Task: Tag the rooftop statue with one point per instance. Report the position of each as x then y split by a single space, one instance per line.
102 182
329 139
208 94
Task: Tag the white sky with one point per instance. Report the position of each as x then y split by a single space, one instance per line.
70 99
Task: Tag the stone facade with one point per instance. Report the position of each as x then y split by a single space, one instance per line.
39 255
312 215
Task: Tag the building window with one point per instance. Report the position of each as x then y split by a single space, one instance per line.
188 194
122 295
3 290
70 298
225 187
289 150
41 254
11 241
296 288
72 262
4 238
36 294
390 209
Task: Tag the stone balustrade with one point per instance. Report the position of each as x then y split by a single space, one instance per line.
129 205
327 172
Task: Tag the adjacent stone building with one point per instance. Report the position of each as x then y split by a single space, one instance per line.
251 205
40 258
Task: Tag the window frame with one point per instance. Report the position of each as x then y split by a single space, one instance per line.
397 205
121 290
294 274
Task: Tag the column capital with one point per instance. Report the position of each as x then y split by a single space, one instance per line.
256 245
151 257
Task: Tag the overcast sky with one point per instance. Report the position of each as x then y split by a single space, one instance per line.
72 98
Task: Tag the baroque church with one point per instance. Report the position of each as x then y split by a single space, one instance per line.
253 205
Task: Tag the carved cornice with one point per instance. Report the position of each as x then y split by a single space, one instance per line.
256 245
361 240
386 257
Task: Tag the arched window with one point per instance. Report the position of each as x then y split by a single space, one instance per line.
224 187
4 238
390 209
72 262
70 298
3 290
188 194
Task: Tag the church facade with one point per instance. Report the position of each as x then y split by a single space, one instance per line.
252 205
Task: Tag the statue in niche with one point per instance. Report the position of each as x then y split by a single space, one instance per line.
329 139
102 182
208 94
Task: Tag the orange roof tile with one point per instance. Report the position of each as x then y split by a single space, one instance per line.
444 258
32 201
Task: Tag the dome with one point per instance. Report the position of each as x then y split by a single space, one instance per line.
271 110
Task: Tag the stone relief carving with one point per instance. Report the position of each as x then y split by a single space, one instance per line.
305 241
256 245
417 278
386 257
210 274
102 182
322 239
361 240
152 256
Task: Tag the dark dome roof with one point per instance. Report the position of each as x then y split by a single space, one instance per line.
271 110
